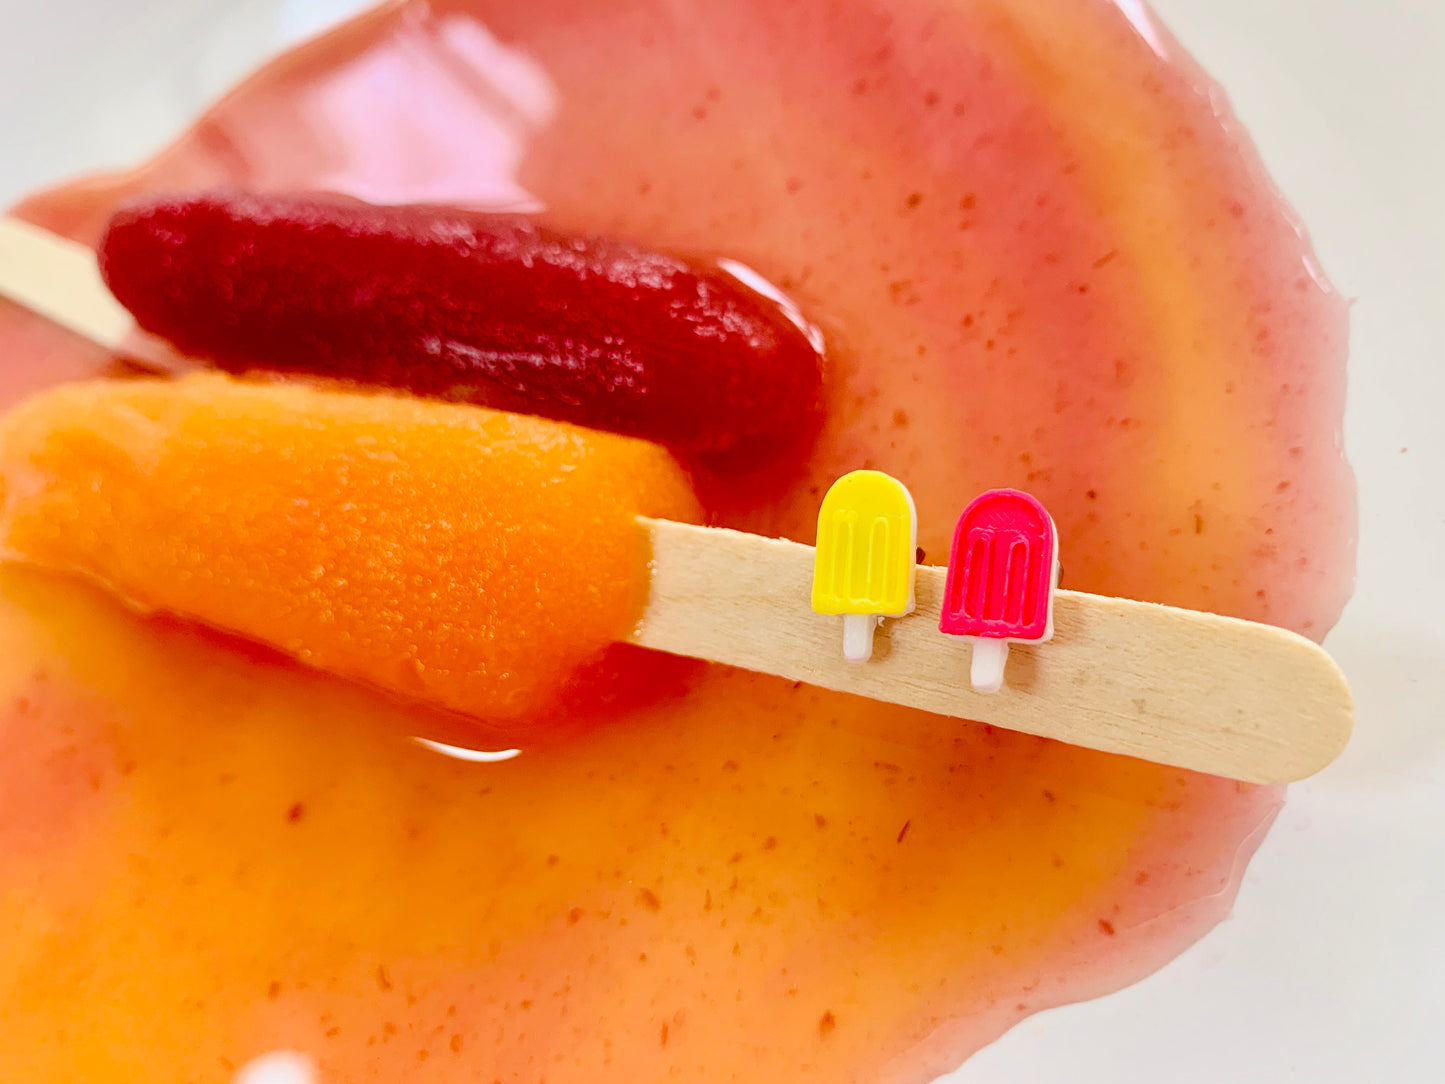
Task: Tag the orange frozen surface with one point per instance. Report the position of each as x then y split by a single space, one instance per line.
469 558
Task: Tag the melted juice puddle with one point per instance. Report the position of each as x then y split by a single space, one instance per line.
1039 260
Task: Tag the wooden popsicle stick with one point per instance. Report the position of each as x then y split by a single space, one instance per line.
58 278
1190 689
1195 690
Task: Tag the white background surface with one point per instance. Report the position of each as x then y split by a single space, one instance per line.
1332 970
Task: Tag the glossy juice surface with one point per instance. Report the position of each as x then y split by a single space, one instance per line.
1041 256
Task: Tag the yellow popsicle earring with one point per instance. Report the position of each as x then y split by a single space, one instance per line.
865 560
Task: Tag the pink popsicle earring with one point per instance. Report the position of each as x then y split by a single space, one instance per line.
1002 573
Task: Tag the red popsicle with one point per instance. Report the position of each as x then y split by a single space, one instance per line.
1002 573
496 310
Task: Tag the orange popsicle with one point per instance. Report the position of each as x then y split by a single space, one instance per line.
469 558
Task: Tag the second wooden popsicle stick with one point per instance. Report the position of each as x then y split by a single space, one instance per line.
1194 690
58 279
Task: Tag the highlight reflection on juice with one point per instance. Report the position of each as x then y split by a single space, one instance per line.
206 854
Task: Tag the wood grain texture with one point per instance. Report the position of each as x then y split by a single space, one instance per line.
1195 690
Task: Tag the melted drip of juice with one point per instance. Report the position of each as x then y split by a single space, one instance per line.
1042 256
